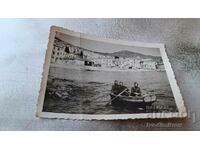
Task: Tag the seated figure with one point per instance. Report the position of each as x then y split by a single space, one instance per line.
135 90
123 89
115 87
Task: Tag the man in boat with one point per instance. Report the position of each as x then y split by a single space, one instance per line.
135 90
123 88
115 87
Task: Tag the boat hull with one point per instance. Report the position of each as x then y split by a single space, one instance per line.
130 101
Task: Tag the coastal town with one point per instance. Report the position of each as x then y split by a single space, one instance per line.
69 56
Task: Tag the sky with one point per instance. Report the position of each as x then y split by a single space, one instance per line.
105 47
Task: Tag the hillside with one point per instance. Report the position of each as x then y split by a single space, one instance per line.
122 53
129 54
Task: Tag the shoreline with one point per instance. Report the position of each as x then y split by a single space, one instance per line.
99 69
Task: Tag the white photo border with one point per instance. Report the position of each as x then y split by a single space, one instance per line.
170 74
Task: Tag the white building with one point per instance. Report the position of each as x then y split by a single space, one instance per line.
148 64
58 52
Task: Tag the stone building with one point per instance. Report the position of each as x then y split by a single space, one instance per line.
58 52
148 64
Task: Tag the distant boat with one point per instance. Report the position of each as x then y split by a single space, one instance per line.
132 101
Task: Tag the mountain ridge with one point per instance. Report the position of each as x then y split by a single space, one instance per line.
120 53
129 54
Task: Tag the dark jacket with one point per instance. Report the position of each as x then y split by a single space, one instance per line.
135 90
115 89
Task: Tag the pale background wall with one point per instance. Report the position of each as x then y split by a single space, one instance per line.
22 51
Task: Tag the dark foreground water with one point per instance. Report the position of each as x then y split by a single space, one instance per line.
76 91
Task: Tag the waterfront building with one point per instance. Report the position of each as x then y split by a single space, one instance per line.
58 52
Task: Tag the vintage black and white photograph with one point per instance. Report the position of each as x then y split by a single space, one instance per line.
86 77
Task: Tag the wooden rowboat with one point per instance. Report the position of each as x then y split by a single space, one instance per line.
132 101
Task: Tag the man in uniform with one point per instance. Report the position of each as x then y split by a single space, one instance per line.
123 88
115 88
135 90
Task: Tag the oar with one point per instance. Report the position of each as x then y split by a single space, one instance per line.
117 96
